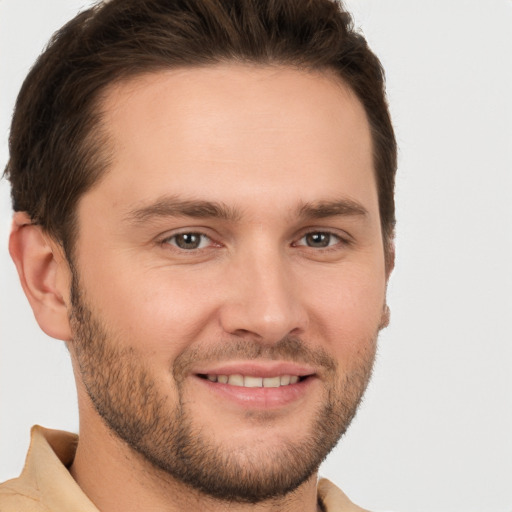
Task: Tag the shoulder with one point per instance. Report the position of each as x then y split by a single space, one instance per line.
15 497
44 470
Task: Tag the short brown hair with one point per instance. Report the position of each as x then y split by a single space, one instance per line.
57 151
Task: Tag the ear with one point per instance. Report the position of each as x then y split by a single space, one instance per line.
390 265
44 274
385 318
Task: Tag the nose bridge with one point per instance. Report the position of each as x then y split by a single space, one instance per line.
264 302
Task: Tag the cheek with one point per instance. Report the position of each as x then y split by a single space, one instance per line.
349 311
154 311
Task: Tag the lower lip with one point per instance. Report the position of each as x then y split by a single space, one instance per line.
260 398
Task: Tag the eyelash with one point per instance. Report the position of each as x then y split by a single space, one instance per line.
329 234
340 241
167 240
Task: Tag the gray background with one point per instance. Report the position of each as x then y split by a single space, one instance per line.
435 430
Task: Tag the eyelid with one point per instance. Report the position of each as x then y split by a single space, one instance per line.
343 237
202 239
203 232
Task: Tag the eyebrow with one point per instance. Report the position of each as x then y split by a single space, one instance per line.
324 209
200 209
174 207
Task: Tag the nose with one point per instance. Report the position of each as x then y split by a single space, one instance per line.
263 299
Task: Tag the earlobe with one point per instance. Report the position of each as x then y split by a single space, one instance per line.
385 318
390 265
44 275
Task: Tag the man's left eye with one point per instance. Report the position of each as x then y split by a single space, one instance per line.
189 241
319 240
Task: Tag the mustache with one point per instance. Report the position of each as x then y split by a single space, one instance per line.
289 348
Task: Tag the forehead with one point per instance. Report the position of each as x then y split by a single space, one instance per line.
236 131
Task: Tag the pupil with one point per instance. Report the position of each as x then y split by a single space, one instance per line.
318 239
188 240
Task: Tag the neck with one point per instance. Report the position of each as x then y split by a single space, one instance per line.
116 479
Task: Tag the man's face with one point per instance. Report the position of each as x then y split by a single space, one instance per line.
230 278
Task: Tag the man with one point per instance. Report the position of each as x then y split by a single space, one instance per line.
203 196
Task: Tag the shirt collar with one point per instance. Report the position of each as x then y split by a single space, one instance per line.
51 452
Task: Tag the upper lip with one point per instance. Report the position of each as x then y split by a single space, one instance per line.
256 368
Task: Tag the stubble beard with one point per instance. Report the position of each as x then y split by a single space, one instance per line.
126 397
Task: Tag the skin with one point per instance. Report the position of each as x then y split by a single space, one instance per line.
264 142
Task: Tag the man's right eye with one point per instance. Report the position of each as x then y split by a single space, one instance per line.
189 241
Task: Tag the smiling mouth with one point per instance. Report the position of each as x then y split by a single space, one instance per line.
247 381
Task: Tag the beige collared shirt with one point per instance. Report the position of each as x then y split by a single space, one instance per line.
45 484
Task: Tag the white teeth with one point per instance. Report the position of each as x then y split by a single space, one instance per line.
285 380
236 380
254 382
271 382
